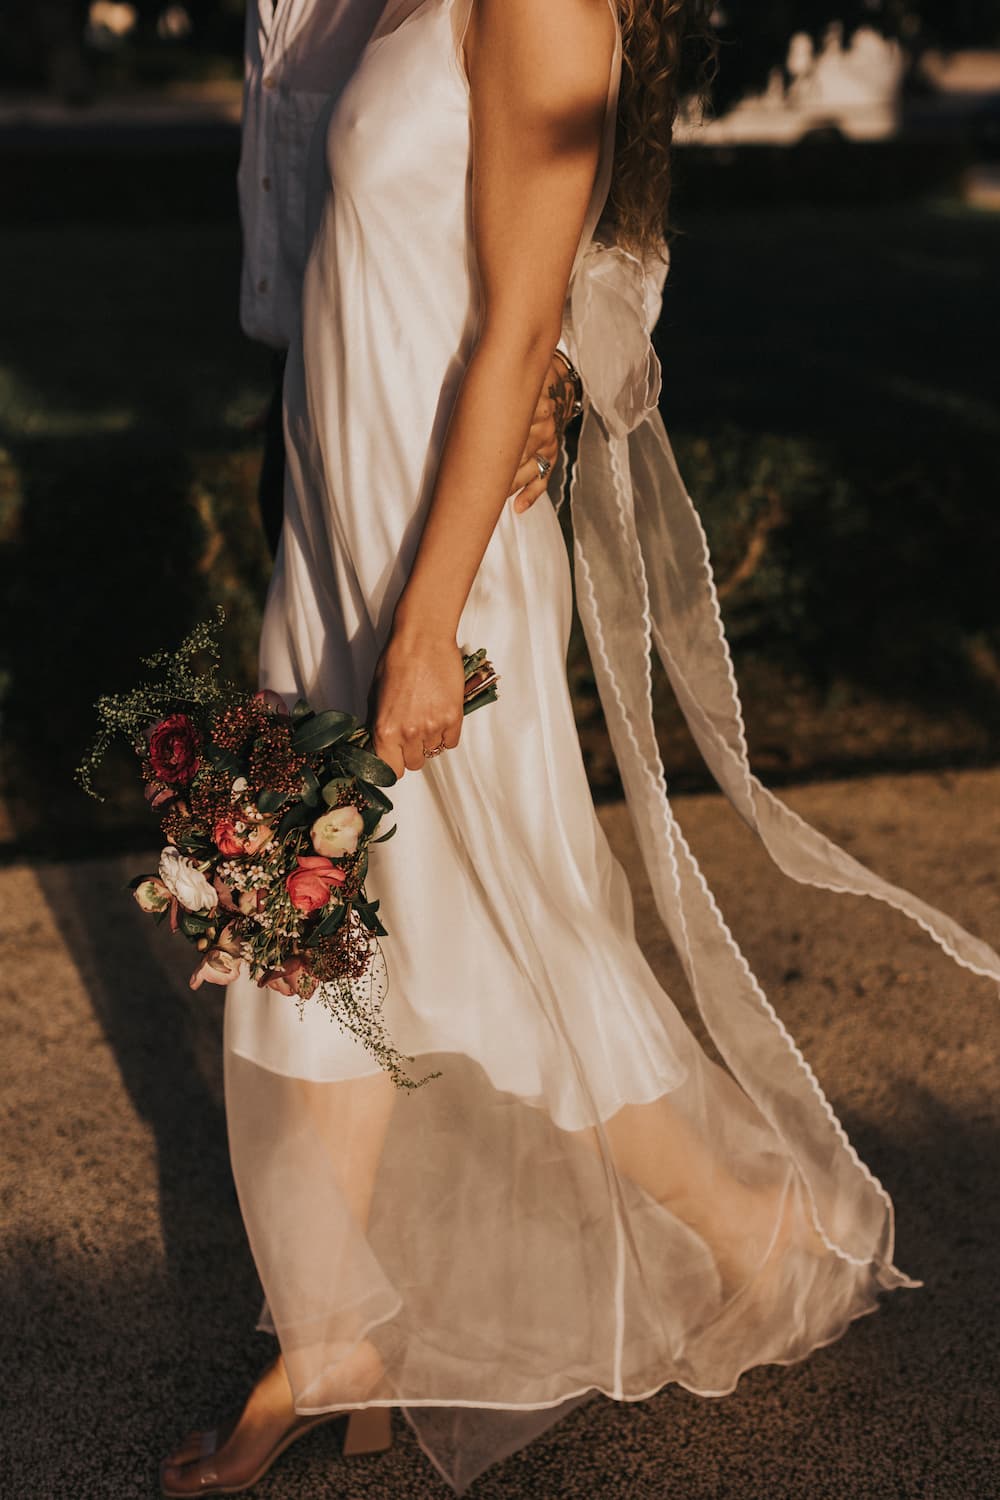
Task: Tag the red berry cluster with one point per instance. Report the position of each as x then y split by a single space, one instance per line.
273 762
212 795
233 727
178 826
345 955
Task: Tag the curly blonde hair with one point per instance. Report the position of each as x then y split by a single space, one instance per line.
668 51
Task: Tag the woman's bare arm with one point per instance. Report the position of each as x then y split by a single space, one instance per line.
539 80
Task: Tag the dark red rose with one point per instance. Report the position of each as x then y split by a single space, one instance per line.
174 750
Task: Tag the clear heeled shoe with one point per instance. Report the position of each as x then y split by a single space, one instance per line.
369 1430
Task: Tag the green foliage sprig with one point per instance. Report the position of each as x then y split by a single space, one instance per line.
188 675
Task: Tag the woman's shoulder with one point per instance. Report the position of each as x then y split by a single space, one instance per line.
552 52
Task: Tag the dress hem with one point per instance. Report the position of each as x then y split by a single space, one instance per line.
906 1284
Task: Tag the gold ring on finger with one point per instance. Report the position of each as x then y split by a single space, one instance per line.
437 748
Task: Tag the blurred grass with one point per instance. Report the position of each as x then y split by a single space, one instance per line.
829 385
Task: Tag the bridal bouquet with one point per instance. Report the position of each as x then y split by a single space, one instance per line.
268 817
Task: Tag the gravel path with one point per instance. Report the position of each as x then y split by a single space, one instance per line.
129 1297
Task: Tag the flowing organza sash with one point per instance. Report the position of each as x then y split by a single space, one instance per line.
644 579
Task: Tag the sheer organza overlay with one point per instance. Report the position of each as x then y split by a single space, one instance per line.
583 1200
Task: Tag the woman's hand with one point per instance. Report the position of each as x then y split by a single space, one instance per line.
555 402
416 697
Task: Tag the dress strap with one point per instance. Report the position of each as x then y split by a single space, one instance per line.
644 580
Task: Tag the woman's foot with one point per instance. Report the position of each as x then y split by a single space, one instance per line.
771 1225
243 1442
239 1450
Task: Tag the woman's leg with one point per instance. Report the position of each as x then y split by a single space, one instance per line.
656 1147
350 1120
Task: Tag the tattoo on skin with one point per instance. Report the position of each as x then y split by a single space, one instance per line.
562 401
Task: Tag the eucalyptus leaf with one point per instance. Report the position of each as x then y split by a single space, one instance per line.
488 695
193 925
297 816
269 801
330 923
384 838
331 790
376 796
371 818
310 788
366 911
316 734
222 760
364 764
195 842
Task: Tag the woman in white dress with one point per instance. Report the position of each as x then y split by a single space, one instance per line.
583 1201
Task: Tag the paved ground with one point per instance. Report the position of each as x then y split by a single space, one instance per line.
130 1298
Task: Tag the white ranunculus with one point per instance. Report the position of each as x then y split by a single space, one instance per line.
337 832
184 880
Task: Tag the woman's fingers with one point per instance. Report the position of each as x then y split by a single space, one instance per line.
541 435
388 748
543 442
416 742
527 497
403 749
415 700
529 481
530 473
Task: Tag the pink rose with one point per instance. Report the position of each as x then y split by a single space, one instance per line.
309 886
216 967
293 978
227 896
222 963
234 836
273 702
337 831
174 750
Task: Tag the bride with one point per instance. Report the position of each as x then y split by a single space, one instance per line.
588 1197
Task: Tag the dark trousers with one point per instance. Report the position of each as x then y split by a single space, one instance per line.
271 486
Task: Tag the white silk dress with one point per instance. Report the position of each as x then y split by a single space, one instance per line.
584 1201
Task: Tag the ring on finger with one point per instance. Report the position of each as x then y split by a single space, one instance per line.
437 749
543 466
